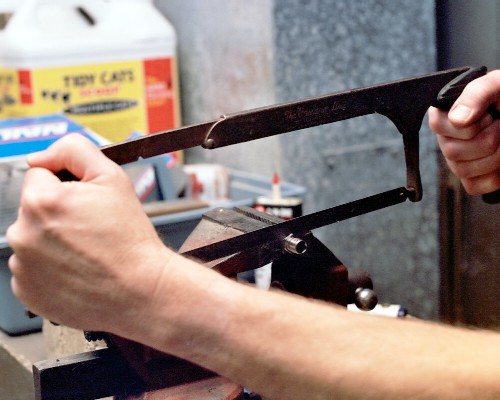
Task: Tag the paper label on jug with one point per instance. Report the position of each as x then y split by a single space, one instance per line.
112 99
9 91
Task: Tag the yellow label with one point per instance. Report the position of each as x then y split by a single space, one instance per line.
9 92
112 99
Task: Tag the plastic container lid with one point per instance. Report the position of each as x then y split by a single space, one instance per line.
44 33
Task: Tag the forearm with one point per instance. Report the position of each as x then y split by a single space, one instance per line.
296 349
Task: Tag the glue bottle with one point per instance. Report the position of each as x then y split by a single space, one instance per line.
284 207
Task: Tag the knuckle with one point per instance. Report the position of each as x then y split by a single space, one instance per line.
483 184
460 169
13 264
16 282
470 186
491 142
38 218
433 119
118 177
437 121
20 240
36 201
13 237
16 290
70 140
469 132
449 151
478 91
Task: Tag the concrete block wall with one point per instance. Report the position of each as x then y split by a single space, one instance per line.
236 55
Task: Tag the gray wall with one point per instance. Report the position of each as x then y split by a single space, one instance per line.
236 55
226 64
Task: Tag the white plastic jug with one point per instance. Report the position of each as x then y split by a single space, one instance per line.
108 64
7 8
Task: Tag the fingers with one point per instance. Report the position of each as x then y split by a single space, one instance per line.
39 180
474 168
483 144
76 154
17 272
441 124
476 161
469 137
482 184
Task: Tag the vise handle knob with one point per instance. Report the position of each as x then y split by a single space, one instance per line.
365 299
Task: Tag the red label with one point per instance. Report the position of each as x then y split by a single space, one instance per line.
25 88
160 94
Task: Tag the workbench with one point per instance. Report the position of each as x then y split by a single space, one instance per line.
17 355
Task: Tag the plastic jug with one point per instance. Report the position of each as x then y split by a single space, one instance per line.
7 8
108 64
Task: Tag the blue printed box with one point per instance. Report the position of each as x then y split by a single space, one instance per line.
21 136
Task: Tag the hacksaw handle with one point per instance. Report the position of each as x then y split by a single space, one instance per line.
66 176
450 93
447 97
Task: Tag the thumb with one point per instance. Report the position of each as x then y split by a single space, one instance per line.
73 153
477 96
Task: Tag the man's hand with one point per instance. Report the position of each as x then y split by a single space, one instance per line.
84 251
469 137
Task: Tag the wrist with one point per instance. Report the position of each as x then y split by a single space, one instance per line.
183 306
137 287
